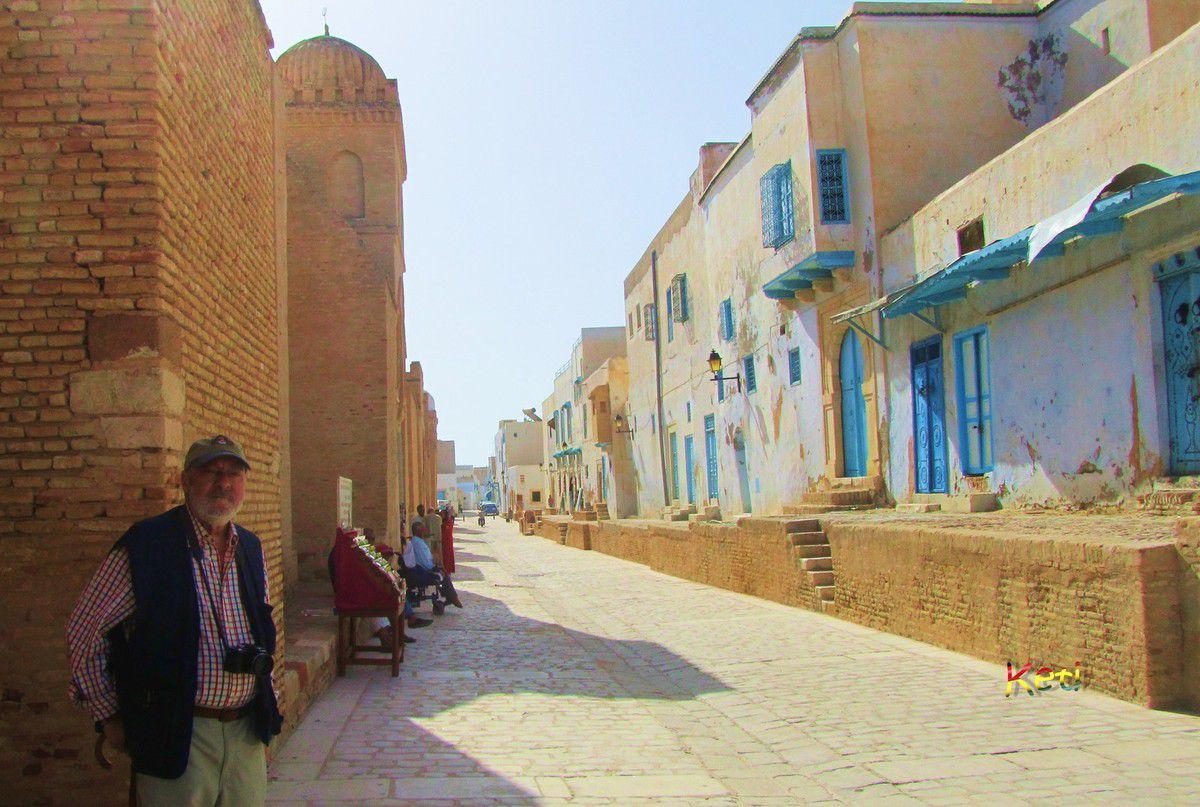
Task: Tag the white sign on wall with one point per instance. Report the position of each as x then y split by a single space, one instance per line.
345 503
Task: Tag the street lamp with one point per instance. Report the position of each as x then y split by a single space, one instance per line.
619 421
714 365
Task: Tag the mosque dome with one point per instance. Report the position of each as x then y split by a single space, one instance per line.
326 69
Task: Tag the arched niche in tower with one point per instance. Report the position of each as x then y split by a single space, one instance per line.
347 193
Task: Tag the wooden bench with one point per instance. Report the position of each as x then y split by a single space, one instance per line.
348 647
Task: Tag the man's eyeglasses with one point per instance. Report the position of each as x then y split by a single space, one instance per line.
214 475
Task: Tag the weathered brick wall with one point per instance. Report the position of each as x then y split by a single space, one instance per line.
340 408
137 310
1116 607
753 558
1187 542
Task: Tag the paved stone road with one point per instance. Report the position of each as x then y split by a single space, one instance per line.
573 677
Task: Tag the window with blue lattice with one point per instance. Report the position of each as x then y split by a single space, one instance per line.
778 212
833 186
670 319
725 317
794 366
751 378
679 297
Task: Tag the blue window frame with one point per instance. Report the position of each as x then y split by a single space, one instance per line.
794 366
720 391
751 378
689 411
778 211
973 386
833 184
567 418
710 454
670 319
725 316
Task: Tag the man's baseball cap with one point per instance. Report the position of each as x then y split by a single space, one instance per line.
207 449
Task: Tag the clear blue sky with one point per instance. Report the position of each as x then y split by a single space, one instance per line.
547 142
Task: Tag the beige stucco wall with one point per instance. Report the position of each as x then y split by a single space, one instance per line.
1056 438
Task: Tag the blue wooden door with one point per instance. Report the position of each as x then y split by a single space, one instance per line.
743 469
710 455
1181 349
674 466
854 407
929 417
689 458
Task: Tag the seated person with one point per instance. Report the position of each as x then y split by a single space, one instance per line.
420 570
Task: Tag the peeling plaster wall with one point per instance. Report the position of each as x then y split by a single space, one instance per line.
1078 401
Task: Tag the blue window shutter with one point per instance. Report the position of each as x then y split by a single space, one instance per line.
794 366
721 321
727 319
720 390
683 298
710 454
769 189
833 186
751 379
974 400
670 319
787 214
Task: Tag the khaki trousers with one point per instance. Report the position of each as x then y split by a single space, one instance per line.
227 767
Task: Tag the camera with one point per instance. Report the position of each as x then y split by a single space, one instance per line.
249 659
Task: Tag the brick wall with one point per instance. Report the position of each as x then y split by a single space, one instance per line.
1187 541
345 167
1113 607
1116 606
138 310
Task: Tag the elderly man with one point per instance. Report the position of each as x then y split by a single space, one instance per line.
419 567
171 643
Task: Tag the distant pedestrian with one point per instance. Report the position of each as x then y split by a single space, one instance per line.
448 540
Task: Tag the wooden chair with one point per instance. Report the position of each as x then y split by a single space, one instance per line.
347 638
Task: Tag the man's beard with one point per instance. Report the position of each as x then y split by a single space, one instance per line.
213 511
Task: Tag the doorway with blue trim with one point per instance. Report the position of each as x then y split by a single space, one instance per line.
1180 295
929 417
854 407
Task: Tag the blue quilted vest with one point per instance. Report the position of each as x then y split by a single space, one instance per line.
155 665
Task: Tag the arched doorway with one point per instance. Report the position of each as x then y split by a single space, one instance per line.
743 469
854 407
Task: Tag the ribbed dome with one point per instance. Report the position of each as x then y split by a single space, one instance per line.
335 68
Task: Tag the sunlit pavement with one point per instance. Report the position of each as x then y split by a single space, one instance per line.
574 677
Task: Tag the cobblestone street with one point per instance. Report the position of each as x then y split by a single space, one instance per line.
574 677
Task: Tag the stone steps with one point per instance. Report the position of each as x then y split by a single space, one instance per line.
810 546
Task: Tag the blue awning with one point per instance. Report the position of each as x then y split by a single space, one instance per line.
995 261
815 267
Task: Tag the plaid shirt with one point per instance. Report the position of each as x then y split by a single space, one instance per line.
108 601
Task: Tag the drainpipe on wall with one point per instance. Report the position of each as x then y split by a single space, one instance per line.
662 426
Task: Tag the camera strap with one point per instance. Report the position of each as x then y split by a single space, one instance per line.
198 555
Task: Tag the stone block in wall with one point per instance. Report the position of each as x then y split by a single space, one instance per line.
116 336
142 431
137 390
